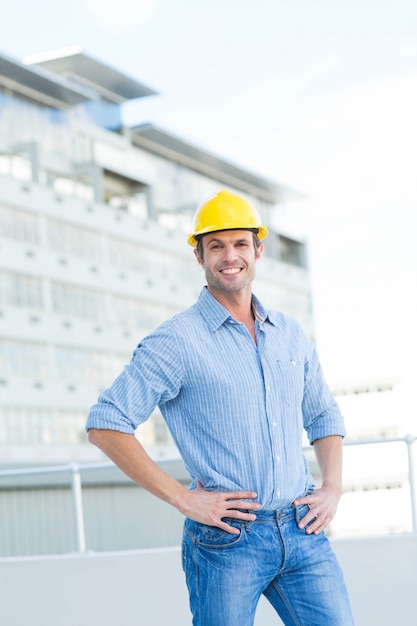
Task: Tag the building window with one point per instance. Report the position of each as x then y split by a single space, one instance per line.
41 426
21 291
20 225
146 260
21 358
69 239
90 367
291 251
16 166
74 301
125 194
133 314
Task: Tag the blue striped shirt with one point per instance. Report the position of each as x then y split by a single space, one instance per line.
235 409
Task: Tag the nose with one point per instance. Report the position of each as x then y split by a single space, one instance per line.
229 253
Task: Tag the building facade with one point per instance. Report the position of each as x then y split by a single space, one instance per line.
93 252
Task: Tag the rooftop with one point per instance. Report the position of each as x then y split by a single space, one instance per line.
158 141
38 81
74 64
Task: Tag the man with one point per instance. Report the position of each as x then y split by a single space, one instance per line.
236 385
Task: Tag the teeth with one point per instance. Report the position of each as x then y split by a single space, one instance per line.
232 270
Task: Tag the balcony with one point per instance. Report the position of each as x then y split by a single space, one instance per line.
80 544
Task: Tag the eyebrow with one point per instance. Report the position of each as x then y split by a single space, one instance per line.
217 240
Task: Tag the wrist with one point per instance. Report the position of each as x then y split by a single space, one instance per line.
335 485
179 499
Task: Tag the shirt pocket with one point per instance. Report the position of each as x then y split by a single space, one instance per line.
290 381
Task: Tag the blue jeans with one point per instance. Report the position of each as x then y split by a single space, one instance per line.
298 573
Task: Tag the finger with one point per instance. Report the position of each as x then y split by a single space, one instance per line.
228 528
307 518
308 499
310 519
315 528
318 525
240 495
245 506
301 501
241 515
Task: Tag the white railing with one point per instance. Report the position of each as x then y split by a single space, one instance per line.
73 470
408 440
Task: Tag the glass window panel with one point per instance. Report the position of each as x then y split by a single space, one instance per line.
21 291
44 426
74 240
78 302
20 358
19 225
87 366
131 313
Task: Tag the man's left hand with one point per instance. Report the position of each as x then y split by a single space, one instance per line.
323 505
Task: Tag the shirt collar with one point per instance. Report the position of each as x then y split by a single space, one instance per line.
215 314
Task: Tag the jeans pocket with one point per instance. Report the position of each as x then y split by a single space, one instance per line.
211 536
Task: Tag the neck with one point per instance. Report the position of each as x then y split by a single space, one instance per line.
239 306
237 303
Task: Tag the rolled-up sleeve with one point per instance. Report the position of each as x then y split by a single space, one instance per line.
152 377
321 413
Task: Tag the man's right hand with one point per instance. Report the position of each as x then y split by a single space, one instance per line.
211 507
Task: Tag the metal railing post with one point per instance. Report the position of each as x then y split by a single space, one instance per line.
77 500
409 440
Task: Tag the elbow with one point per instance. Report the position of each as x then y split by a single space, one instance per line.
95 436
105 438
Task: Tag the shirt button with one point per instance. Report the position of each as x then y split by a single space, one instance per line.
268 388
278 494
278 458
274 424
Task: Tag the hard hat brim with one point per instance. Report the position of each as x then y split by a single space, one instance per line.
193 239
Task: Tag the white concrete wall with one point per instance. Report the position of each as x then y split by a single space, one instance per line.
146 587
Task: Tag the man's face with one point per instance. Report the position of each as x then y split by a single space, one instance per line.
229 260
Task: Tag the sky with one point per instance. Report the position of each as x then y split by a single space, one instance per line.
319 95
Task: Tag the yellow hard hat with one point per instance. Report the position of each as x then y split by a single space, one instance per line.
225 211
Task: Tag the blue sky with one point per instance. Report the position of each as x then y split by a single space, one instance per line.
320 95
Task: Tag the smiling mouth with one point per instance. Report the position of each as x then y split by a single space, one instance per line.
231 270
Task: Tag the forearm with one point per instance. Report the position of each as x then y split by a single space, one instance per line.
208 507
130 456
328 452
322 502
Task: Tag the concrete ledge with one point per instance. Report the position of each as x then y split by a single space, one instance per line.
147 586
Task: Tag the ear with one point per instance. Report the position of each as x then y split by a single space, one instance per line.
259 251
197 256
